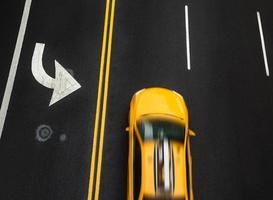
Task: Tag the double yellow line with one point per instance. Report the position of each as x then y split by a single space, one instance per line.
94 187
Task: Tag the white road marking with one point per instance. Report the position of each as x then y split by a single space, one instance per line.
187 37
263 43
37 67
14 65
63 84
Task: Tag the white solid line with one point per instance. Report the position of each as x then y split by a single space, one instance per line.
14 65
263 43
187 37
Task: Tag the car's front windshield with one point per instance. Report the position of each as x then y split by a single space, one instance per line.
152 128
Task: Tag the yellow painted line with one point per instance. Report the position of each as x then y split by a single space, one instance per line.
108 61
95 135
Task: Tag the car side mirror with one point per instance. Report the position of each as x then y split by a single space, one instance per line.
192 133
127 129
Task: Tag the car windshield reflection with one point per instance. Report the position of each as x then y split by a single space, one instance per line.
160 129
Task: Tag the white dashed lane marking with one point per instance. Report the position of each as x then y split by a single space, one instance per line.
263 43
187 37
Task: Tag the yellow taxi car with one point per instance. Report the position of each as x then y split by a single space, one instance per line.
159 159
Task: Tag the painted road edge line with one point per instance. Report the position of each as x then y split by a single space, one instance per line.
108 62
263 43
187 37
98 107
14 65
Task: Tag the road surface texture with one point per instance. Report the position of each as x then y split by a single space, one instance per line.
227 90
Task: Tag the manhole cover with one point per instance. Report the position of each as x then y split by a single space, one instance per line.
43 133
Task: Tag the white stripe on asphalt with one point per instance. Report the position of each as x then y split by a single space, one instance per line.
263 43
14 65
187 37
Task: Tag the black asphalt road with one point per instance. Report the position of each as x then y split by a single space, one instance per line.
52 170
229 97
10 22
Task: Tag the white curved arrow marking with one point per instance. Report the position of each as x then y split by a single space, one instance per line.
63 84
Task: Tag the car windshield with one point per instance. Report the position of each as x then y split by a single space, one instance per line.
161 129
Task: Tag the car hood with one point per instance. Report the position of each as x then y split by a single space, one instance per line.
160 101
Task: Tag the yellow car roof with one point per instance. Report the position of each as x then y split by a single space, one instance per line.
149 166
